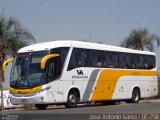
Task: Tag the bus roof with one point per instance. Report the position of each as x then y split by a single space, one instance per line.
46 46
79 44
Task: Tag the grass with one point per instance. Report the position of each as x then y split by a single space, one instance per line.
29 106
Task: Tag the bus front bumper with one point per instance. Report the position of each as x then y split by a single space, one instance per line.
35 99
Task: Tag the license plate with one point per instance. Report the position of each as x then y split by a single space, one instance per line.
24 100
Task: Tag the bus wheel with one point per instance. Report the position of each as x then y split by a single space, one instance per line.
116 102
41 106
111 102
135 96
72 100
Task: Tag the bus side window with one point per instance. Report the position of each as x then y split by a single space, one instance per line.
141 62
87 58
126 62
111 61
116 61
53 71
83 59
72 62
106 63
132 62
100 60
145 62
94 60
152 62
136 61
63 51
78 59
50 74
123 61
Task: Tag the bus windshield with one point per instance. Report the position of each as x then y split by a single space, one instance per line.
26 71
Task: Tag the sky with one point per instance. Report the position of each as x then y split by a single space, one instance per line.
105 21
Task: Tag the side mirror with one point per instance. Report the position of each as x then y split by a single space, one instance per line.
46 58
5 63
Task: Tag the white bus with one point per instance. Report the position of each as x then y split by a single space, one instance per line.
71 72
7 102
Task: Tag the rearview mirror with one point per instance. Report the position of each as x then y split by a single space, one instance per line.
5 64
46 58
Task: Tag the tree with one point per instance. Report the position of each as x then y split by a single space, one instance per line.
12 37
141 39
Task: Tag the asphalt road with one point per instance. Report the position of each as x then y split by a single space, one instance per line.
140 111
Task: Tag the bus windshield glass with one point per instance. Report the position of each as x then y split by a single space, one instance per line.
26 71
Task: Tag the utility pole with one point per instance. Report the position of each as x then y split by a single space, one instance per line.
1 83
2 71
90 37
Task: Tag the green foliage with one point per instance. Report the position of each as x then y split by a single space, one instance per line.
12 36
141 39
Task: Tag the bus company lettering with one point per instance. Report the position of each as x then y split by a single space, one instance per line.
80 75
80 72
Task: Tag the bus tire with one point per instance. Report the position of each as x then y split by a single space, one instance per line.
41 106
111 102
116 102
72 100
135 96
